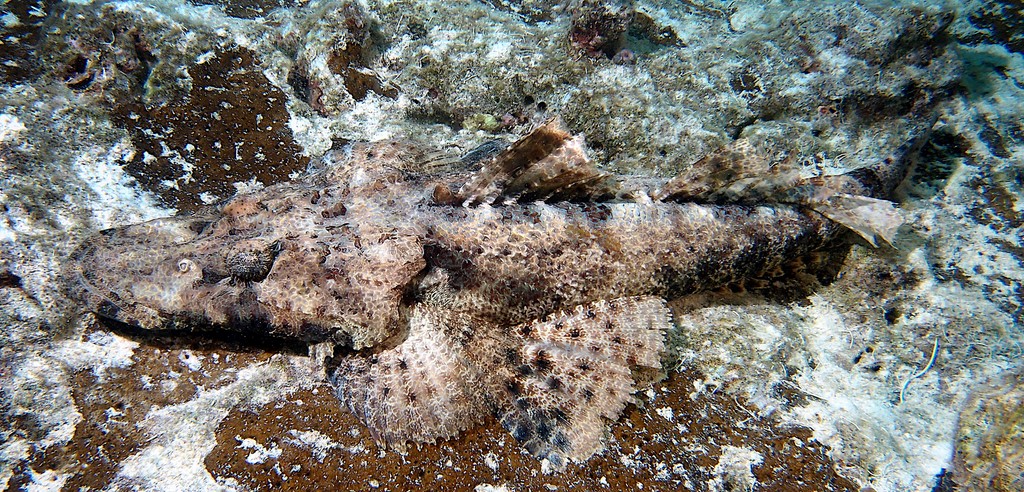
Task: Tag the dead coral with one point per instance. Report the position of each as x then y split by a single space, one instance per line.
108 55
250 9
531 11
998 22
599 26
200 112
990 437
336 47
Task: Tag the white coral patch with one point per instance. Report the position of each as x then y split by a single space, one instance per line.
99 352
260 454
120 200
183 434
10 127
38 389
735 469
192 361
318 443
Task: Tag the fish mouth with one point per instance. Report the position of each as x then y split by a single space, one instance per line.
91 296
136 320
84 284
110 306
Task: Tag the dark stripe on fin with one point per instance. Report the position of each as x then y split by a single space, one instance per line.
547 164
580 373
883 178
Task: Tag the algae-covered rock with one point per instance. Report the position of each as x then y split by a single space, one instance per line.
336 44
480 121
990 438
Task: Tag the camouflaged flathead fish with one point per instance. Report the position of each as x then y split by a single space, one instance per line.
532 292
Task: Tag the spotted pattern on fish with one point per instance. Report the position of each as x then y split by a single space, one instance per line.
532 291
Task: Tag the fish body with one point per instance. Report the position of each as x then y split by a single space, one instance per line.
533 292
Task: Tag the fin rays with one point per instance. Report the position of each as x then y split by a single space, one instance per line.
738 173
548 163
574 371
552 382
420 391
870 218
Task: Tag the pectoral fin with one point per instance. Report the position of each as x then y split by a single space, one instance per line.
422 390
573 370
553 383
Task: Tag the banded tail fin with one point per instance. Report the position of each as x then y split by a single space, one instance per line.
548 163
573 370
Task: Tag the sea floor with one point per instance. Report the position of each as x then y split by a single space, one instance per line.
899 370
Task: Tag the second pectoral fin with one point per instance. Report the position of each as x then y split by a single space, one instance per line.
573 370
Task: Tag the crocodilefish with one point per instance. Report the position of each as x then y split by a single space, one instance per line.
532 290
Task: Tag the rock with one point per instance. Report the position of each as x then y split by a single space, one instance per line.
990 435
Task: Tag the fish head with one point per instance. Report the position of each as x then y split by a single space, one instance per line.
290 262
135 274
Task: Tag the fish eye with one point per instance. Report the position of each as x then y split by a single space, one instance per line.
251 261
199 226
184 265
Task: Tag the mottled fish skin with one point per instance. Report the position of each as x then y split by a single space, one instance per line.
500 298
332 257
514 264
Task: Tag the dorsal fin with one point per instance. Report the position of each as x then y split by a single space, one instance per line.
737 172
548 163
